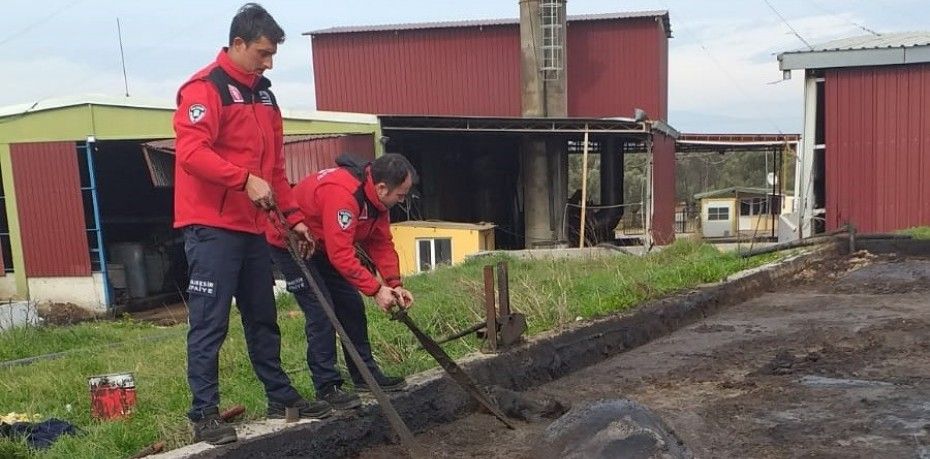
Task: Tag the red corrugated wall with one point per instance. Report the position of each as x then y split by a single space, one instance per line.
663 190
307 156
455 71
614 66
51 211
878 147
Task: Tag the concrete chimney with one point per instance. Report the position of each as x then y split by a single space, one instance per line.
543 76
543 58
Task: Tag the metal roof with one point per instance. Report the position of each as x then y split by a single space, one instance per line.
167 145
617 125
892 40
885 49
159 104
445 224
90 99
737 138
705 143
289 139
324 115
733 190
660 14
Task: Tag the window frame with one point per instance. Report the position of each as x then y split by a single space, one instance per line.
711 215
432 252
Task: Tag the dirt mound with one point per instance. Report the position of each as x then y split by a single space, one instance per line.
63 313
715 328
521 406
611 429
165 315
895 276
786 363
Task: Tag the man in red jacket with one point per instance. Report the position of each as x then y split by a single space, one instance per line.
230 165
345 206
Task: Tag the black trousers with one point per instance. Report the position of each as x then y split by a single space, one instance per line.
321 336
223 264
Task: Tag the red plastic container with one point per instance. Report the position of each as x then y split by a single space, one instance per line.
112 396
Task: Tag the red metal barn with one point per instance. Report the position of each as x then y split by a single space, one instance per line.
866 154
453 97
615 63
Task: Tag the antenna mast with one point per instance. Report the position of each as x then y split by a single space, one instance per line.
122 56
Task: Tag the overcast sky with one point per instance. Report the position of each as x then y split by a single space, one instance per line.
722 55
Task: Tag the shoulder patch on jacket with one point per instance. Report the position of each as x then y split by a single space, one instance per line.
265 97
235 94
344 217
196 112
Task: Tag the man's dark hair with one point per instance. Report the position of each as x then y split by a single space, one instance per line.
392 169
252 22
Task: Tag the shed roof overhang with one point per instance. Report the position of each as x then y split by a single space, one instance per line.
853 58
720 143
864 50
626 126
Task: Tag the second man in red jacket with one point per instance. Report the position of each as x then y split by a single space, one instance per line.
345 206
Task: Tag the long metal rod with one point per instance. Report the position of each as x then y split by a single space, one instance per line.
584 188
455 371
102 253
648 187
403 432
122 56
773 214
467 331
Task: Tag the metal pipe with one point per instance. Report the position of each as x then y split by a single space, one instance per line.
473 329
787 245
878 237
771 199
820 238
838 235
584 187
648 187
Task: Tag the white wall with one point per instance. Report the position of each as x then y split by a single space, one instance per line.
803 182
86 292
717 228
8 286
18 314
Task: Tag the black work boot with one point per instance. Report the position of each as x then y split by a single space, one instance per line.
339 399
387 383
316 409
212 429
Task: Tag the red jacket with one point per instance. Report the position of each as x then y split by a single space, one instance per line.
228 125
327 199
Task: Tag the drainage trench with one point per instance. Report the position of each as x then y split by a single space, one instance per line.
433 399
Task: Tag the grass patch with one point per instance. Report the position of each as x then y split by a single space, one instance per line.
84 337
550 292
917 232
